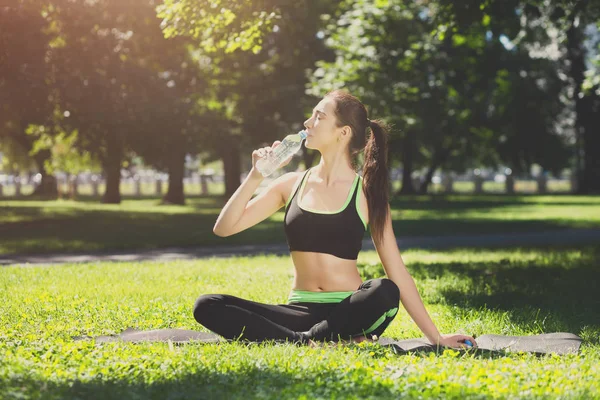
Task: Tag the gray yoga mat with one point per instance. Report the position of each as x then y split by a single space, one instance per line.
558 343
157 335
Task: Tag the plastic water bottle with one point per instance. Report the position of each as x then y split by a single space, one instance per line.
290 145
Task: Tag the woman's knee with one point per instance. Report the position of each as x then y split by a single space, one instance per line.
388 291
206 304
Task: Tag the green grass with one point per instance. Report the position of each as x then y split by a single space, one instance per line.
29 226
520 292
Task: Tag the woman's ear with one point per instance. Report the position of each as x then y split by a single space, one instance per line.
346 132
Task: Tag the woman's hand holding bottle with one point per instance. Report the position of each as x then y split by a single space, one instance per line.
264 153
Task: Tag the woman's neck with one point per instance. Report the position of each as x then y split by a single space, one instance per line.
334 167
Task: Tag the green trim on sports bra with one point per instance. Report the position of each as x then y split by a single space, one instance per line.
312 210
287 203
360 192
360 214
294 190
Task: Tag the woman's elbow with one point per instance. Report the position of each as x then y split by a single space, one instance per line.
219 231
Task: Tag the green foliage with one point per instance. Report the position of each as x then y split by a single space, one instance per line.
65 155
439 74
226 25
416 72
24 85
14 157
435 70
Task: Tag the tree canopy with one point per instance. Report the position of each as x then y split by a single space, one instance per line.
464 84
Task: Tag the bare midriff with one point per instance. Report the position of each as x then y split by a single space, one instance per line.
320 272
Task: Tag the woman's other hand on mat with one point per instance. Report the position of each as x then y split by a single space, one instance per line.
457 341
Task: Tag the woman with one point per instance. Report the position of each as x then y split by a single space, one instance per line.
328 209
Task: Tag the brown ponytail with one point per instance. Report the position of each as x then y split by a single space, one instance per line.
351 112
376 177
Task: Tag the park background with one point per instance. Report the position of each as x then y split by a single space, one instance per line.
126 125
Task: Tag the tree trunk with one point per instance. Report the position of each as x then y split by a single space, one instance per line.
72 186
587 169
439 157
407 165
175 193
591 145
48 185
112 171
232 165
425 183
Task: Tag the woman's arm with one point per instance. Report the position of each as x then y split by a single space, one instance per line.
240 212
396 271
236 205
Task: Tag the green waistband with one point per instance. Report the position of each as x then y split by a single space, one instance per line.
304 296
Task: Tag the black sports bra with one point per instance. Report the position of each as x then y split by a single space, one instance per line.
339 233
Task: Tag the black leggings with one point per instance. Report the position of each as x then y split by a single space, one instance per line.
367 311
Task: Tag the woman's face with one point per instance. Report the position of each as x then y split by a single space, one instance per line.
321 126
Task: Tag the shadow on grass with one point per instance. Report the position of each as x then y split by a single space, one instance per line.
71 229
249 381
76 230
484 201
245 383
559 296
472 226
442 202
119 230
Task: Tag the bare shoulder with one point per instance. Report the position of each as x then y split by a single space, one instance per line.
282 186
288 184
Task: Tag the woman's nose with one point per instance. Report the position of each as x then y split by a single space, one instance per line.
306 123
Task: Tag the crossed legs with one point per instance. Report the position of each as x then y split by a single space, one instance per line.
368 311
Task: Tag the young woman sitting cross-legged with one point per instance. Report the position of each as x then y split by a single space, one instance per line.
327 211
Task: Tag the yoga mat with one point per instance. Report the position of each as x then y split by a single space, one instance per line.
157 335
558 343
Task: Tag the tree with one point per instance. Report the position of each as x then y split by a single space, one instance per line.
14 157
257 80
220 25
25 95
573 18
429 80
65 157
555 31
112 70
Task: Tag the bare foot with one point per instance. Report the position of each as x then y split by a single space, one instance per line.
357 339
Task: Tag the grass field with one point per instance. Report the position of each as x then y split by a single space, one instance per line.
517 291
28 226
